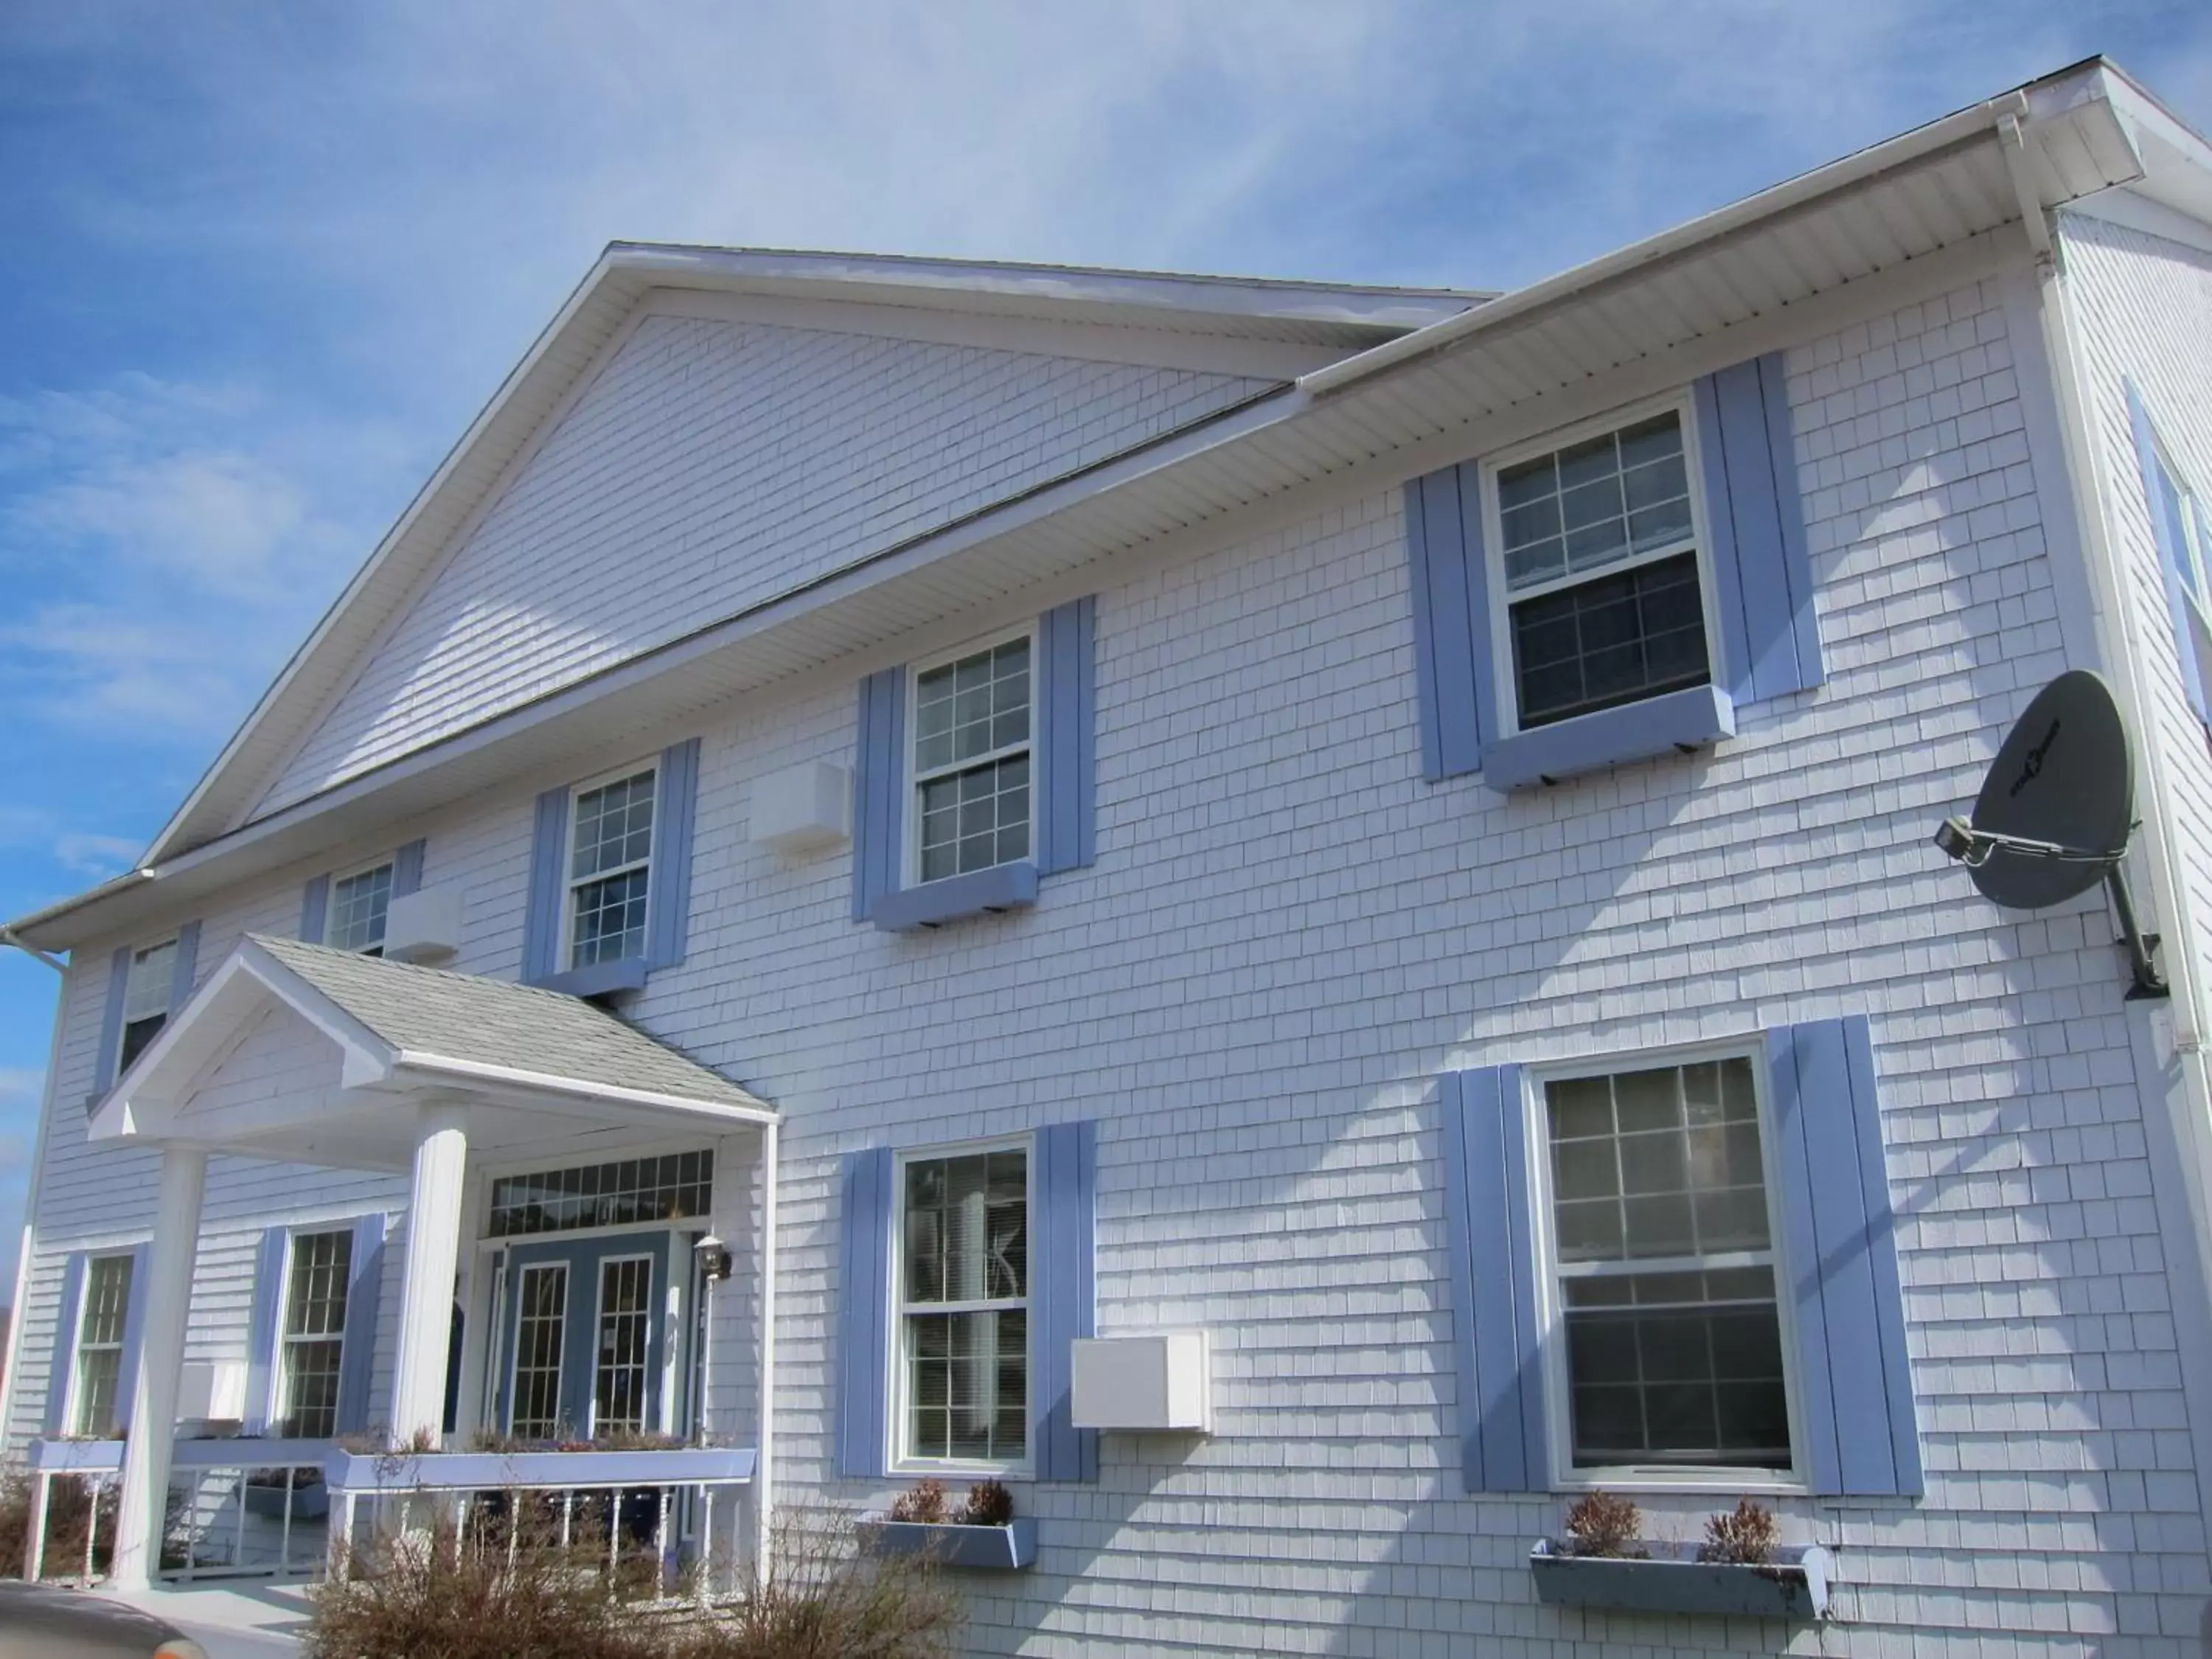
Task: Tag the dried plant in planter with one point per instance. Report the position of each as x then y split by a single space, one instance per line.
1747 1537
925 1503
1600 1523
989 1504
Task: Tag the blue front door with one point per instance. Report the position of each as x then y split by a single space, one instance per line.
582 1344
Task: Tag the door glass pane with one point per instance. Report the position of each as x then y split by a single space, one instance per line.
619 1374
541 1317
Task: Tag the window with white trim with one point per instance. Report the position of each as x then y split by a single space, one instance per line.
146 992
313 1344
1667 1348
1597 549
971 760
2192 559
358 905
963 1291
106 1312
610 869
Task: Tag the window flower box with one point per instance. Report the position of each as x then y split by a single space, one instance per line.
1671 1579
951 1543
76 1456
264 1495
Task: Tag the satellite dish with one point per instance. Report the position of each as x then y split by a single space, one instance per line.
2056 812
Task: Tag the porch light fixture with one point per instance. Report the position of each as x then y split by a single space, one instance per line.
714 1257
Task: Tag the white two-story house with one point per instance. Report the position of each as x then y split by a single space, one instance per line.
880 818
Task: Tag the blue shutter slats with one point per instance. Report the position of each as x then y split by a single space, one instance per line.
1491 1252
1762 567
1063 1296
1862 1438
407 868
674 808
1451 619
314 910
878 790
1066 703
357 1348
134 1334
111 1023
863 1315
187 965
2173 554
541 922
261 1329
64 1348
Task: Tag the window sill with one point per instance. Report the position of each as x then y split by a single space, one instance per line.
1695 718
1002 887
601 979
1737 1482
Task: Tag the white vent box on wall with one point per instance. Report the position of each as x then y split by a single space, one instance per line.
210 1397
424 926
802 809
1160 1382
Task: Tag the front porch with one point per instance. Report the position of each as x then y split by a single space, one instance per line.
538 1316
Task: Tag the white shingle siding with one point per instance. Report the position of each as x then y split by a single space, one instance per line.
1288 935
710 466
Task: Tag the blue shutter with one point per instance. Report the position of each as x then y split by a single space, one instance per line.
677 796
1762 569
1491 1251
878 790
134 1337
187 962
314 910
1451 619
357 1350
1066 700
407 868
1063 1297
1854 1383
111 1025
541 922
64 1350
2173 553
261 1330
863 1315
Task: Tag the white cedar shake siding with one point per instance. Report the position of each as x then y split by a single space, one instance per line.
1288 935
711 465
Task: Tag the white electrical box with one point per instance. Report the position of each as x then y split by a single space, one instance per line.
802 809
1159 1382
424 926
210 1397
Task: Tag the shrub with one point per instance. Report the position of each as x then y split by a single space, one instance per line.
989 1504
824 1600
1747 1536
70 1508
1600 1523
925 1503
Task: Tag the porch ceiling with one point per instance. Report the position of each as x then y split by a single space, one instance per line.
348 1044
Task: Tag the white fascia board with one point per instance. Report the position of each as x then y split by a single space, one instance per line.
409 1063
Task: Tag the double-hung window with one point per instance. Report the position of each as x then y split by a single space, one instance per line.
610 869
313 1334
1656 1247
147 994
972 770
1599 556
963 1309
2182 529
358 906
99 1331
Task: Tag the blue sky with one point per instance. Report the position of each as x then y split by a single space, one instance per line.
262 263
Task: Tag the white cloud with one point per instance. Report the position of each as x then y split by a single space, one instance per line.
96 856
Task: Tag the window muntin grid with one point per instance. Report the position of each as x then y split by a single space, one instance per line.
1599 552
1660 1247
358 907
618 1377
148 990
541 1295
106 1312
963 1310
674 1186
313 1342
610 869
971 761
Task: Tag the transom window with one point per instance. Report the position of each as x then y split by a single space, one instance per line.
1599 552
358 904
147 993
610 869
671 1188
971 760
1661 1256
107 1310
963 1308
313 1342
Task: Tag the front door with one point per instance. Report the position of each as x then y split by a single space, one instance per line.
581 1350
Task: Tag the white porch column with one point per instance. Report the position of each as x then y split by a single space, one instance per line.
168 1293
434 1243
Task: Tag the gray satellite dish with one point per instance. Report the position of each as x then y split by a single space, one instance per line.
2055 810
